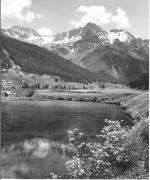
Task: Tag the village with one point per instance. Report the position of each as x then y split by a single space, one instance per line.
14 79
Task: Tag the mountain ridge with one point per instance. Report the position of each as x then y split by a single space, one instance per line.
99 51
90 26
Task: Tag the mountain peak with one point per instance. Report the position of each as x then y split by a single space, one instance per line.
23 30
92 30
91 25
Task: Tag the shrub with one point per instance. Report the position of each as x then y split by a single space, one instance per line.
25 85
30 92
137 146
98 160
116 154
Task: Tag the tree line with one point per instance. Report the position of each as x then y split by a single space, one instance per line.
141 83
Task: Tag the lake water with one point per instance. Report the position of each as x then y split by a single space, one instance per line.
34 133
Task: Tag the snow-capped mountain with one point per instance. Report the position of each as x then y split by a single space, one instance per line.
32 36
116 53
91 30
79 42
28 35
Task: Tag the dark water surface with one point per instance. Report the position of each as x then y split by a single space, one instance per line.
34 133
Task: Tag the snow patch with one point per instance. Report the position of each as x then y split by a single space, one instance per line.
47 39
32 38
114 72
68 40
122 36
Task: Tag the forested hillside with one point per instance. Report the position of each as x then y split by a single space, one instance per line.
34 59
141 83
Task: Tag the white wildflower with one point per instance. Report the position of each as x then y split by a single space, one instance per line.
70 132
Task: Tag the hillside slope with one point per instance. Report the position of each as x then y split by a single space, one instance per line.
115 60
34 59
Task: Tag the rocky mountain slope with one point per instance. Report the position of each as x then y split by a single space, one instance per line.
117 59
116 54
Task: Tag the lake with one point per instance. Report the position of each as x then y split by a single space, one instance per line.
34 133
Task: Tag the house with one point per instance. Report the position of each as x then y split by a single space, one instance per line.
3 81
18 69
9 82
7 93
4 70
33 76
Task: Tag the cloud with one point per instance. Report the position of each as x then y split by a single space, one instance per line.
30 16
44 31
121 19
95 14
14 9
100 16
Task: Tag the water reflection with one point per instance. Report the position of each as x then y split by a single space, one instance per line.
12 171
24 159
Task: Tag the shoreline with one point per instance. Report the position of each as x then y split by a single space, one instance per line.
120 99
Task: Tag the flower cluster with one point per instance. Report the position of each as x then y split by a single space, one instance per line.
96 160
118 152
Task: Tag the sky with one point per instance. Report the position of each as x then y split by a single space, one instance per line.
54 16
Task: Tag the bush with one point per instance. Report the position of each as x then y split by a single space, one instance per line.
117 154
97 160
25 85
137 146
30 92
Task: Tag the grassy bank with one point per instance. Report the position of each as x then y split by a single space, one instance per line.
106 95
137 105
138 108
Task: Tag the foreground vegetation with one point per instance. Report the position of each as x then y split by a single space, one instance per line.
119 152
